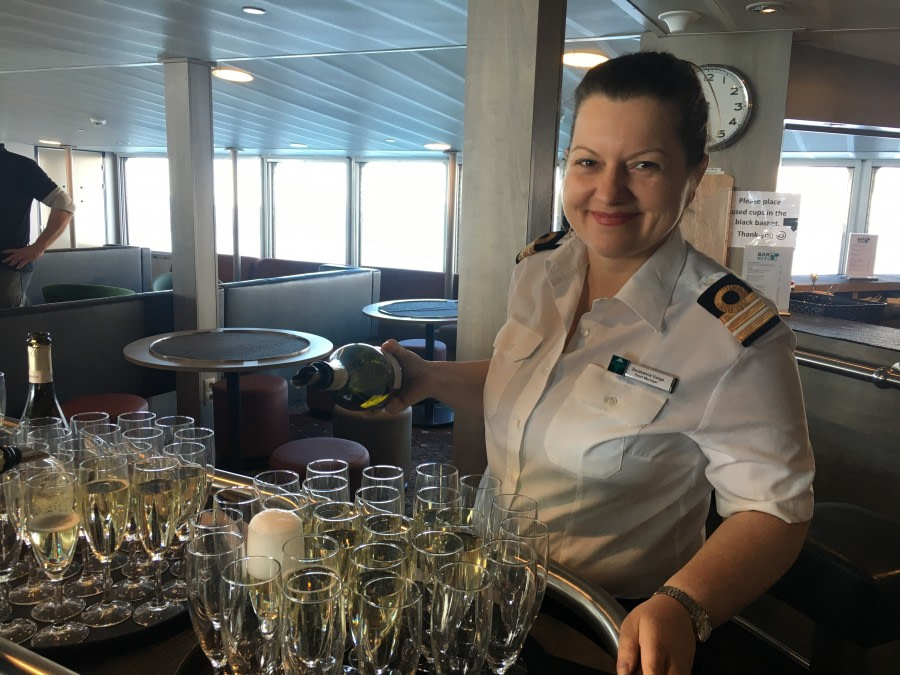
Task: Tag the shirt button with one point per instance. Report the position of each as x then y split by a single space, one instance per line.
585 331
611 400
518 424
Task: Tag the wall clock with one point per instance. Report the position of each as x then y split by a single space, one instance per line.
730 104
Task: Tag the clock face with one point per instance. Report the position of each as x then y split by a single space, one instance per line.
730 104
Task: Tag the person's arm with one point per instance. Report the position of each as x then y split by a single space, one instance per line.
458 384
746 554
61 209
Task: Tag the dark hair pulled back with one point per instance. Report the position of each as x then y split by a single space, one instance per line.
660 76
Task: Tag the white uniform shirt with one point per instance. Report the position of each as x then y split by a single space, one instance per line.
623 471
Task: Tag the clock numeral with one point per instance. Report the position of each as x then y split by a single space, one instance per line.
720 133
733 121
738 106
709 77
734 90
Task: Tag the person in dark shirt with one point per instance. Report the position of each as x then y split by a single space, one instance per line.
21 182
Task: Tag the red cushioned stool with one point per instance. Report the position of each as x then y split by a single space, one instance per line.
417 345
265 423
112 404
297 454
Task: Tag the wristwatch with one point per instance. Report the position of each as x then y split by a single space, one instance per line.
699 617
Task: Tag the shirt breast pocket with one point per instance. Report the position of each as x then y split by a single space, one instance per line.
514 343
588 435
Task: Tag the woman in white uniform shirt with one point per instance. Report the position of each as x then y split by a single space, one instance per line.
634 376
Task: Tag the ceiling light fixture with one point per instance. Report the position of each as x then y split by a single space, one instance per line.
232 74
46 142
253 10
770 7
437 146
299 145
390 140
679 19
583 59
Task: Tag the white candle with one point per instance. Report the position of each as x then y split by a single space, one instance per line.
269 530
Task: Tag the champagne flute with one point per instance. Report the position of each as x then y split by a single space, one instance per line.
216 520
536 533
310 552
244 501
429 501
390 626
135 420
192 478
312 626
387 475
199 435
436 474
327 488
156 502
250 593
514 582
29 424
467 524
101 435
207 556
365 563
433 550
79 421
141 435
104 498
509 505
17 630
52 436
52 520
387 527
172 423
339 520
328 467
477 491
271 482
373 499
461 618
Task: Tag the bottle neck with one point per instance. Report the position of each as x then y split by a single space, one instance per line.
40 365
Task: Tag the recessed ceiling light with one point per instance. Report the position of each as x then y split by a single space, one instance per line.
390 140
46 142
583 59
769 7
232 74
253 10
437 146
299 145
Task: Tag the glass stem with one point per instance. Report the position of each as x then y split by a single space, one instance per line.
107 586
58 598
157 586
5 608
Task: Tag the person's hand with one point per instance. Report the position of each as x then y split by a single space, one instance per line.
657 638
19 257
414 370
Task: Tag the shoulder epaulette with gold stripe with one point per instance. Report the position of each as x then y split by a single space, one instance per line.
545 242
740 309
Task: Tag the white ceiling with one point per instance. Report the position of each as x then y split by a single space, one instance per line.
342 76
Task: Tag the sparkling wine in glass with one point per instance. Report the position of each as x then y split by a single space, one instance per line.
461 615
312 627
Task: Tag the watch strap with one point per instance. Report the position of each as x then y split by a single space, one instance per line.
699 617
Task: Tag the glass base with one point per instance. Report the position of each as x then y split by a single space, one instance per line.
17 630
19 570
85 586
142 568
50 611
132 589
60 634
176 590
150 614
118 560
31 594
107 613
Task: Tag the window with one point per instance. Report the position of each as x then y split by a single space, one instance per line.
249 205
147 203
883 206
824 214
402 214
309 200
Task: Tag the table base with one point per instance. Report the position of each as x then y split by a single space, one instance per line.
431 413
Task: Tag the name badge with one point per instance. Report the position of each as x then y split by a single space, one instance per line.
635 371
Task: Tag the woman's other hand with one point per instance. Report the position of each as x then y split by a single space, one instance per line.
414 372
657 638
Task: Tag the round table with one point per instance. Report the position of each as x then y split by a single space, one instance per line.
431 312
231 351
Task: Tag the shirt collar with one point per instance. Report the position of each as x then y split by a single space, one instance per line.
649 290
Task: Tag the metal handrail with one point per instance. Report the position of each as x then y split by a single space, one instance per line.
17 659
883 377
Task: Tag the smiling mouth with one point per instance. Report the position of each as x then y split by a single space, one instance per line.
612 219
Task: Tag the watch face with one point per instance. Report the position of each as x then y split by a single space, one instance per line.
730 105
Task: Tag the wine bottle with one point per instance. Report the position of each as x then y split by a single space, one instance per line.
12 455
41 401
358 376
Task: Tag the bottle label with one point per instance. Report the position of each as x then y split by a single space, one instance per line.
40 376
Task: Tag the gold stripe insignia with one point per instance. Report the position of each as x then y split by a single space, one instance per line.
739 308
545 242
